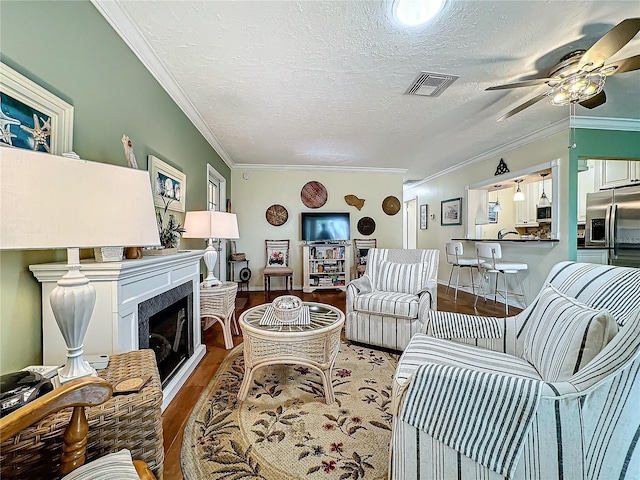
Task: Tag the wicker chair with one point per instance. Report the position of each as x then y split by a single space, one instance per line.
277 264
131 422
80 393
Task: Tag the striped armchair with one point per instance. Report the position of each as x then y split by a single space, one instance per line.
512 409
389 303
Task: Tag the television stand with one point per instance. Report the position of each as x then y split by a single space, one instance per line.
326 266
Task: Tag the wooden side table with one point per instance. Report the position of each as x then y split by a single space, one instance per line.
218 304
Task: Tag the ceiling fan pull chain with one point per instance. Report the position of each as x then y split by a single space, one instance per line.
572 127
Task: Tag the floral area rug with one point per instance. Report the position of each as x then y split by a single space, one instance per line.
285 430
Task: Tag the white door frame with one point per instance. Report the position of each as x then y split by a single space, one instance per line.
221 202
410 230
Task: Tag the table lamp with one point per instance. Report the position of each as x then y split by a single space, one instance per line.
210 224
52 202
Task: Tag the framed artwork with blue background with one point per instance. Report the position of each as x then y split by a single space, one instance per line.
32 117
169 185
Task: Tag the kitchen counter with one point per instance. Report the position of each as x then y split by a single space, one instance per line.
509 240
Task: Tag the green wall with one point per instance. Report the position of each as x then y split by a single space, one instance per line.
591 143
68 48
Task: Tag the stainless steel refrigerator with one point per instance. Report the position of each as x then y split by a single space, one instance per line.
613 223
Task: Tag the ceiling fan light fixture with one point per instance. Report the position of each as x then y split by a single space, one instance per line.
577 88
413 13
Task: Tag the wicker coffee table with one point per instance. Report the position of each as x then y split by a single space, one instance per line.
315 345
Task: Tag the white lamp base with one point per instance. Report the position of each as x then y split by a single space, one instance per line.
72 302
210 259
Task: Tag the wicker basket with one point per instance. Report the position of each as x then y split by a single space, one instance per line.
131 421
287 308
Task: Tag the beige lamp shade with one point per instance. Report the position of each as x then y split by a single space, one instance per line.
48 201
210 224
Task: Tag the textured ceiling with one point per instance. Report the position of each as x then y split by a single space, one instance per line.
322 83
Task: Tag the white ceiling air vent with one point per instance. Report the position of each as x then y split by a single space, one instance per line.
431 84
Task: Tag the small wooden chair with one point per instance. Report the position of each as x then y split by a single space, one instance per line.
361 248
277 264
80 393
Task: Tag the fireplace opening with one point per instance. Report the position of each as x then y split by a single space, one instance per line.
165 325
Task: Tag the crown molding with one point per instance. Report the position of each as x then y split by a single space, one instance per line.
115 15
607 123
544 132
316 168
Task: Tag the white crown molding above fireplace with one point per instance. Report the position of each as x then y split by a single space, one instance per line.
120 288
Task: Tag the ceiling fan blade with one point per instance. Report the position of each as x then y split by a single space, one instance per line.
624 65
595 101
523 83
526 104
611 42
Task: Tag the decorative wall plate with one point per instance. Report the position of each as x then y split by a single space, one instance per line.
277 215
313 195
245 274
366 226
391 205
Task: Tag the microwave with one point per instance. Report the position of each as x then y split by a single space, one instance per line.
543 214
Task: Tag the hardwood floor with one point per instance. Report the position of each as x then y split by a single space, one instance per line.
177 413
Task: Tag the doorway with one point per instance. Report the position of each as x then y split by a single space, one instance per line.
410 236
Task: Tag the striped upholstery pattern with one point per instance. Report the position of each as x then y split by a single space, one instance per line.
587 427
400 277
396 304
483 415
565 335
423 349
411 279
459 325
112 466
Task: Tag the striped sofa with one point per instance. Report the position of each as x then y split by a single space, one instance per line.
464 412
389 303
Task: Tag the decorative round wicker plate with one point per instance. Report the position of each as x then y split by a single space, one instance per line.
366 226
391 205
313 195
277 215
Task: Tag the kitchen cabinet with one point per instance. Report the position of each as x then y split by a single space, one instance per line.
527 209
618 173
587 183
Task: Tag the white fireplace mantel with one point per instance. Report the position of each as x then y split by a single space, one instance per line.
120 287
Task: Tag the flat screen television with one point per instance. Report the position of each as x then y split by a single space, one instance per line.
324 226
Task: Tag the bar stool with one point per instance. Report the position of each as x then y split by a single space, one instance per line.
454 253
490 260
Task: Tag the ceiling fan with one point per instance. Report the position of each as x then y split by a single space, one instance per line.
580 76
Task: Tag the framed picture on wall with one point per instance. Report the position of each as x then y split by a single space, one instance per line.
423 216
168 185
31 117
451 211
493 215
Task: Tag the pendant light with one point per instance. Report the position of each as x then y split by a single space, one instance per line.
544 200
497 207
518 196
